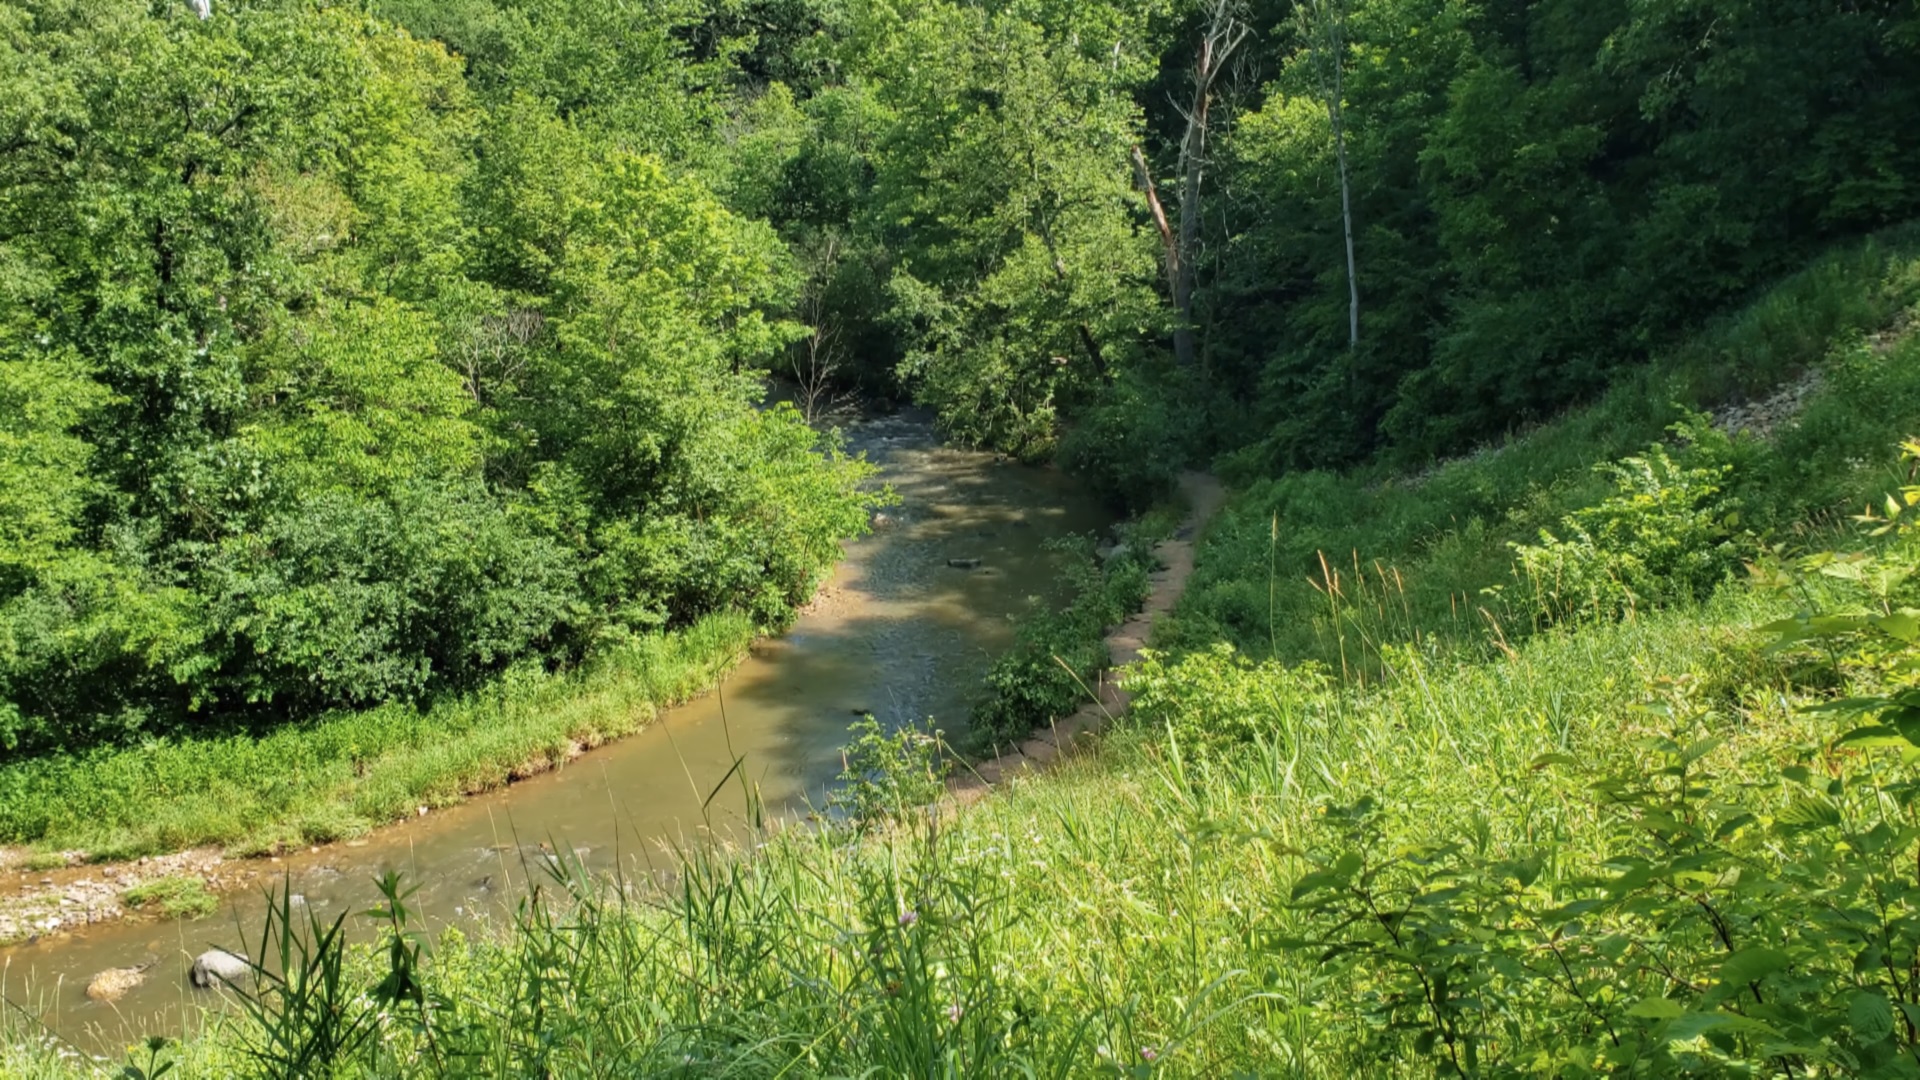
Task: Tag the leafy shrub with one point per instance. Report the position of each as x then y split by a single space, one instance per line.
1057 655
1667 533
348 601
888 773
1130 442
1751 917
1216 697
1730 926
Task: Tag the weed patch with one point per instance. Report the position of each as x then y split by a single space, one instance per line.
176 897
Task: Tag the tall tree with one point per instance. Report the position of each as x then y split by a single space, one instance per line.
1323 23
1002 187
1221 36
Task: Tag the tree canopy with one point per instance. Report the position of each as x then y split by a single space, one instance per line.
351 353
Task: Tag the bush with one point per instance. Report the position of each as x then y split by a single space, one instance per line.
888 773
1750 912
1130 443
1216 697
1667 533
1058 655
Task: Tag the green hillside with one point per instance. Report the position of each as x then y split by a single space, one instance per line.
1638 826
385 411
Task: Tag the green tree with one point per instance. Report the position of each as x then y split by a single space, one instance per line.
1003 187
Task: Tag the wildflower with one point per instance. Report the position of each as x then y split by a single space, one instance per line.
954 1012
908 918
1149 1054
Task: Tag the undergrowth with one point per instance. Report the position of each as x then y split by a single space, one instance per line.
1127 915
1415 552
1060 652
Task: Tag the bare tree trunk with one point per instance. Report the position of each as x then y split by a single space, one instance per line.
1346 208
1332 19
1223 35
1167 240
817 365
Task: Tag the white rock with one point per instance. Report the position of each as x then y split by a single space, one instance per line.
217 967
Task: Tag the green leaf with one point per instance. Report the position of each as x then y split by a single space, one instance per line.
1699 1023
1701 748
1656 1008
1810 812
1751 964
1903 624
1870 1017
1856 706
1333 876
1870 736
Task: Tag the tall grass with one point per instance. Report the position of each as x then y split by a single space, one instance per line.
1445 531
1119 917
345 773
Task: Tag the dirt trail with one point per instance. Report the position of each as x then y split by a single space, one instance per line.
1204 496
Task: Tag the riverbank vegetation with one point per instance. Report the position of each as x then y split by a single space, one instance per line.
357 356
1543 703
351 408
1652 819
340 775
1060 651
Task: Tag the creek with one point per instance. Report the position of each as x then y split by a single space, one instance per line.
897 631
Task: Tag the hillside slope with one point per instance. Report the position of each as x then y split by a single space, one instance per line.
1471 808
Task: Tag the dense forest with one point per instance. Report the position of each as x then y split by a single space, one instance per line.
358 353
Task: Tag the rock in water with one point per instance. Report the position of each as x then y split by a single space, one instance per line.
113 982
217 967
963 564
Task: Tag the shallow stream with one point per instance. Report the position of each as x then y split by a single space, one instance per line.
897 632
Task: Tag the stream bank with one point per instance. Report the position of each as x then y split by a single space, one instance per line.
1203 496
898 631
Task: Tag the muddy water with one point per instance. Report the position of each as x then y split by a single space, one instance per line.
898 632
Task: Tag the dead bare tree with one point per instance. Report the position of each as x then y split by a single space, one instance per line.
496 349
814 365
1224 33
1324 25
816 362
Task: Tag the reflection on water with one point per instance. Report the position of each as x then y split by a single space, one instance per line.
898 632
